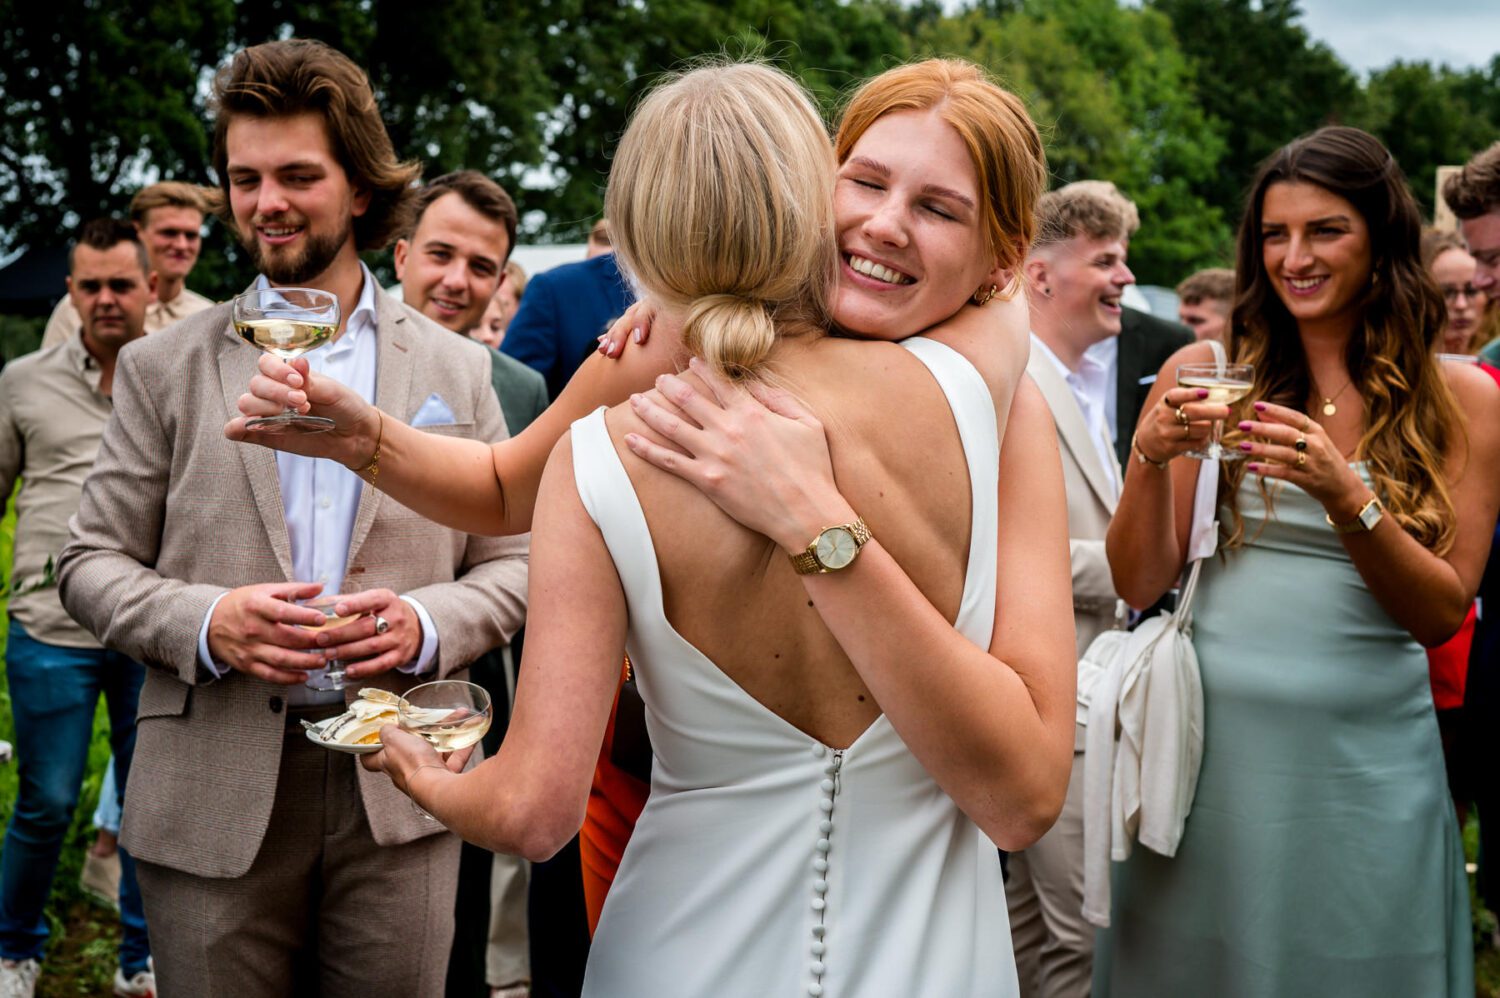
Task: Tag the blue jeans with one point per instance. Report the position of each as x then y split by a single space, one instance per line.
54 692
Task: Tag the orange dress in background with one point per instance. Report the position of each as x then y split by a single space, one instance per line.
615 803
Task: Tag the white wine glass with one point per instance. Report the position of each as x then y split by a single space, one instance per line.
287 322
331 677
449 713
1226 384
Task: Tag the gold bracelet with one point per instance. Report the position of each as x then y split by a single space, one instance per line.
373 467
1140 455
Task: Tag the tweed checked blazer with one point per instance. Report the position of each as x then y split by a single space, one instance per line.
1091 503
174 514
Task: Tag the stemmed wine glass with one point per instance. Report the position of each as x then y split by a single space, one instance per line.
287 322
1226 385
449 713
331 677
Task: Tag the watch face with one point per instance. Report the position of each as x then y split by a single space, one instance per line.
836 548
1370 515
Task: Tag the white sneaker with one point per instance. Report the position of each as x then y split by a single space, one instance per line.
18 978
142 985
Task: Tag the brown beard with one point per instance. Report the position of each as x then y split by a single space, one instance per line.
316 256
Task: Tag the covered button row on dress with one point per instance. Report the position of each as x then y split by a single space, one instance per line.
829 786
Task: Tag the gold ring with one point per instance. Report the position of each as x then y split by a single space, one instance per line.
1182 417
1301 458
1187 431
1301 443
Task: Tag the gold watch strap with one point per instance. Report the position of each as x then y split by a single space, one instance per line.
806 563
1356 525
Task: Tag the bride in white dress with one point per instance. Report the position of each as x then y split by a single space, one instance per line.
836 752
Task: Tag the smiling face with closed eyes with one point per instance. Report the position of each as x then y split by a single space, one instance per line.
912 243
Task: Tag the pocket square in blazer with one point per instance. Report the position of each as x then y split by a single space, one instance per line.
434 412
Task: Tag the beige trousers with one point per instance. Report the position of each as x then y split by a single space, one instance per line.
322 911
1054 945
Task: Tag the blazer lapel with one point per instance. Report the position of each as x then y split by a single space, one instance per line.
1071 428
392 395
237 365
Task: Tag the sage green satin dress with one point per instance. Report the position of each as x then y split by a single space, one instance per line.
1321 857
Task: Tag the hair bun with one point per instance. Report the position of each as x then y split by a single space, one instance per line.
733 333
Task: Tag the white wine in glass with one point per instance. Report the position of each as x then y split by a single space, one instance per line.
450 714
331 677
1225 385
287 322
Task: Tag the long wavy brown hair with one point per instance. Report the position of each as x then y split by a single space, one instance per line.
1410 413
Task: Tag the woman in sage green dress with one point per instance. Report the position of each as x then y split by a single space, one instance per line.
1321 856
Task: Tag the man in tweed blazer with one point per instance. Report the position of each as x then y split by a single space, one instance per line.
271 866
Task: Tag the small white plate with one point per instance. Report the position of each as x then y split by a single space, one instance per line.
315 735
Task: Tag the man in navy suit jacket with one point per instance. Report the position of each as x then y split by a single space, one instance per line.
562 315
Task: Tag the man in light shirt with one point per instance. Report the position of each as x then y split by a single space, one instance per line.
1075 275
169 218
270 865
53 408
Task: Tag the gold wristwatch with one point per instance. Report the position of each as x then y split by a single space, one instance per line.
834 548
1369 515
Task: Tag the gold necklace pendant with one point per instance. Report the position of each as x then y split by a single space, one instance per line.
1329 409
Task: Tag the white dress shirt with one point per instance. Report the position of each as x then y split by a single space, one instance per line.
1090 385
320 498
1107 354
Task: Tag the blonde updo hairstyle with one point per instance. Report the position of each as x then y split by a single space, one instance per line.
721 204
1001 138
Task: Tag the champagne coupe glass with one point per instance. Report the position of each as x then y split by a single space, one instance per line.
330 677
450 714
287 322
1226 385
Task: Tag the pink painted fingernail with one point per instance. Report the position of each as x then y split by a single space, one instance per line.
636 334
1260 407
1247 446
1244 425
1203 393
1253 467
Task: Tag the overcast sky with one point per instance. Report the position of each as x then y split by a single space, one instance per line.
1369 34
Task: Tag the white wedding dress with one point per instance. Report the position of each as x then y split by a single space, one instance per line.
766 863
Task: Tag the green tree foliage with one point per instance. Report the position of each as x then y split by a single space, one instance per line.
1263 78
601 56
1432 116
1176 100
96 99
1115 100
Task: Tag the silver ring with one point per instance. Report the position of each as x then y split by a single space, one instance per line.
381 624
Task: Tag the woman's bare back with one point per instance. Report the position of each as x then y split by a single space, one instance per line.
732 593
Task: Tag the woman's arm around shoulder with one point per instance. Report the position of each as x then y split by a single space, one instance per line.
996 339
599 381
993 726
529 799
